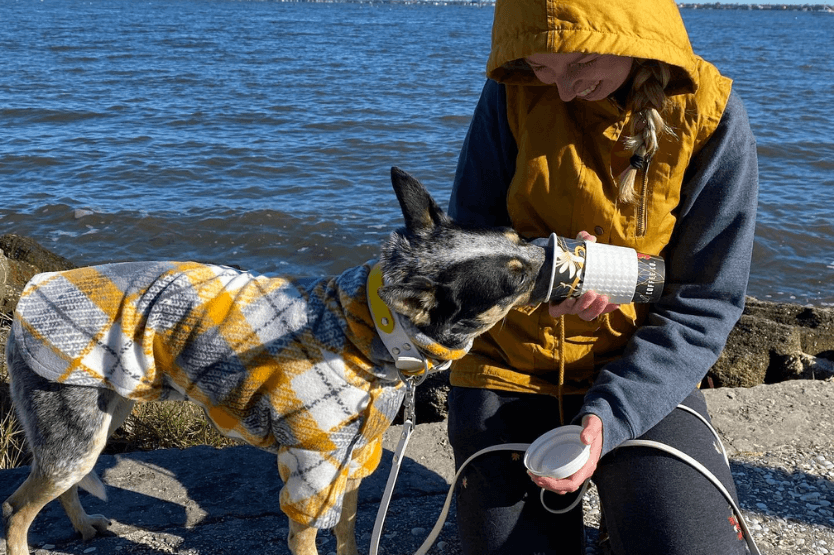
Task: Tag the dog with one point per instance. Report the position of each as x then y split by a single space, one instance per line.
293 366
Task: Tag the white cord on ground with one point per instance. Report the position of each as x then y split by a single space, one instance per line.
445 512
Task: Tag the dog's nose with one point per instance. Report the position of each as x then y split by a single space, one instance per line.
544 280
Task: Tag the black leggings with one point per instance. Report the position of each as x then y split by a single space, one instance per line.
652 502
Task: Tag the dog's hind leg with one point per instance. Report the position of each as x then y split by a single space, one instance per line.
66 428
89 525
20 509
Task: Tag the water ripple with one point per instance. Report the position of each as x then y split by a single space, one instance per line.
262 133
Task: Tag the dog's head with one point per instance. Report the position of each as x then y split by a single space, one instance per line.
453 282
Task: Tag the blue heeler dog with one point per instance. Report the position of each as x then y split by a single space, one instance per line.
294 366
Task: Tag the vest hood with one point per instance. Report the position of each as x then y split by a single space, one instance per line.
651 29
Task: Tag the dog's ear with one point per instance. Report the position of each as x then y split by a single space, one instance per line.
414 299
420 211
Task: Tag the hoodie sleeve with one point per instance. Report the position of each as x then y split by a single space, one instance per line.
486 164
708 265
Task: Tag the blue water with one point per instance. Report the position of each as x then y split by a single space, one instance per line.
262 133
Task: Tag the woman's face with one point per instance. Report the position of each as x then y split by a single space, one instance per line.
578 75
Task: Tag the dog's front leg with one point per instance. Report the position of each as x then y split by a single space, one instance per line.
302 539
346 528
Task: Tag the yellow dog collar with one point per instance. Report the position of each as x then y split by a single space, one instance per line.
407 357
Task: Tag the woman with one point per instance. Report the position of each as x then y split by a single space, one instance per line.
597 119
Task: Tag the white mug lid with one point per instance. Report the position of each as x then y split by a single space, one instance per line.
557 454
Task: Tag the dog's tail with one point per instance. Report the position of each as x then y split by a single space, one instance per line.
92 484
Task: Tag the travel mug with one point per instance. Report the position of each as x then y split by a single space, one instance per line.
573 266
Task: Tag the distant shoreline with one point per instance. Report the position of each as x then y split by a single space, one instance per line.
772 7
825 8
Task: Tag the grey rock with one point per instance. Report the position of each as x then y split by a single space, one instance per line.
774 342
20 259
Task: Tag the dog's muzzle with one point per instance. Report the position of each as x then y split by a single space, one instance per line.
572 267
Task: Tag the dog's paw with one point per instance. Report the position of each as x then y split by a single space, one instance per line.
94 525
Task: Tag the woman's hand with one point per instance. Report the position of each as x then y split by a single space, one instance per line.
591 435
590 305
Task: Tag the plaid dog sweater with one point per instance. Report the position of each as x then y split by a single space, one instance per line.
290 366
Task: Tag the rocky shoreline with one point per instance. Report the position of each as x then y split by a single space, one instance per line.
771 343
772 401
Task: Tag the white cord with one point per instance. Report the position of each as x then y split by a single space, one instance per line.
751 544
445 512
408 427
697 414
708 475
570 507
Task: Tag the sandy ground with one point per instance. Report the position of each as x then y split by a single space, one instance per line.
203 501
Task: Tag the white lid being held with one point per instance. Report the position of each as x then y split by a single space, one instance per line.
557 454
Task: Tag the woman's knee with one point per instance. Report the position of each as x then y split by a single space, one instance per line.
657 503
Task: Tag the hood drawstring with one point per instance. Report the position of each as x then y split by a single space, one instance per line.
605 321
561 326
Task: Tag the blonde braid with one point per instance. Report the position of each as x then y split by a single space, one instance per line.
647 101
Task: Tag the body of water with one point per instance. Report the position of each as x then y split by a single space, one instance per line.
261 133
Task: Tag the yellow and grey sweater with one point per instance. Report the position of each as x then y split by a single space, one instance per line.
290 366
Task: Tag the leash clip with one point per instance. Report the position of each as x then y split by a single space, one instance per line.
409 409
413 378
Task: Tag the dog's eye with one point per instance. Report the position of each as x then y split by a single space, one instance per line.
516 267
518 270
514 279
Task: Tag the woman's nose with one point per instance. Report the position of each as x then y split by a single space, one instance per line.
564 83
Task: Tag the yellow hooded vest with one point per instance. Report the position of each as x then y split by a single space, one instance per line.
569 155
